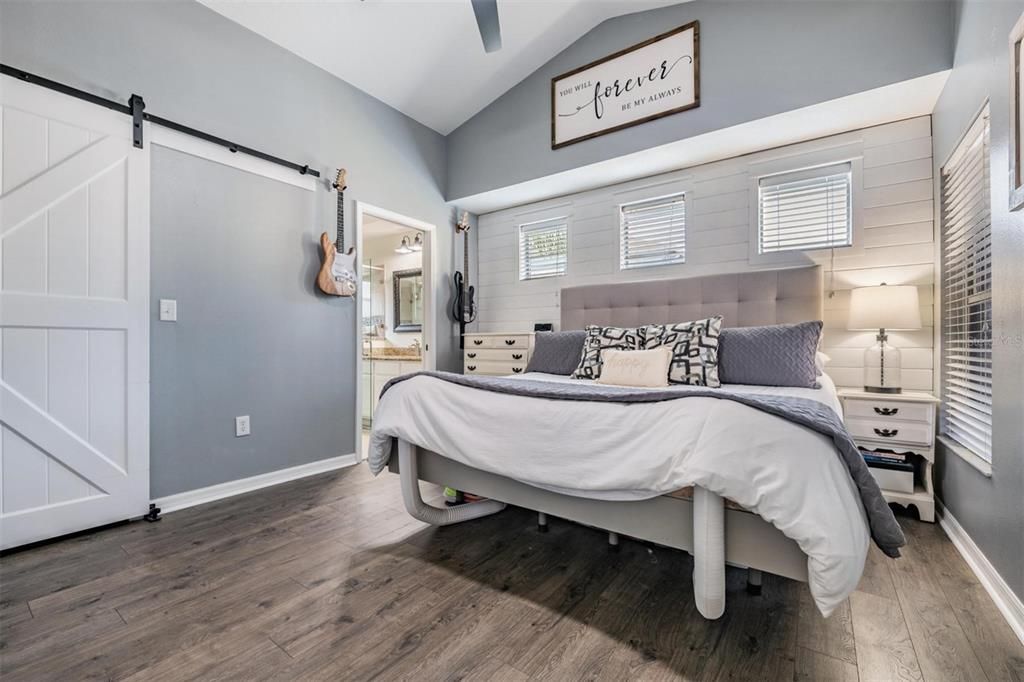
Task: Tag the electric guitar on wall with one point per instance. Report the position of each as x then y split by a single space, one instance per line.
337 276
463 306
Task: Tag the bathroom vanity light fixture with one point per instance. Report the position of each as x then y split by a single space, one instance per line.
404 247
417 243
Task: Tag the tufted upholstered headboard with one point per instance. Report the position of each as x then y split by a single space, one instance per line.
743 299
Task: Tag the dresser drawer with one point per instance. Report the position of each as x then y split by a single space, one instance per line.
883 430
494 367
514 355
889 410
497 341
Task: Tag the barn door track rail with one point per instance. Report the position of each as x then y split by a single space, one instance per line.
136 108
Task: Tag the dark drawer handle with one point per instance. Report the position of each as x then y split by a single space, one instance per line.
510 342
886 411
471 355
517 370
471 368
887 433
477 342
517 356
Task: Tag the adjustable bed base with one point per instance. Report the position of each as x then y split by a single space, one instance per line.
703 526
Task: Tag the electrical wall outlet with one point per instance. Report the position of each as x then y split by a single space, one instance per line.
242 426
168 310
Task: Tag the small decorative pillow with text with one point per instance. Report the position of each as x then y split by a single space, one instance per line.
644 368
602 338
694 348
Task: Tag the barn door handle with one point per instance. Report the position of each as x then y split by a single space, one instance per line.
887 433
886 411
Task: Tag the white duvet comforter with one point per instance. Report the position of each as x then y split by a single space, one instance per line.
788 474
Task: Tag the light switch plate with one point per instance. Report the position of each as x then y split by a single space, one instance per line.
242 426
168 310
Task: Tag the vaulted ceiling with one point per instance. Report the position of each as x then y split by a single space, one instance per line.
425 57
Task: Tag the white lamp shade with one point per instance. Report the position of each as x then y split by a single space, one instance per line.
884 307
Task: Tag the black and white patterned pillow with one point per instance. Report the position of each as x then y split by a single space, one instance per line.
600 338
694 350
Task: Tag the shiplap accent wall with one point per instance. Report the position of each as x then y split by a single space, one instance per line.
894 234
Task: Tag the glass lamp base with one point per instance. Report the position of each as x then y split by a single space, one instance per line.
882 368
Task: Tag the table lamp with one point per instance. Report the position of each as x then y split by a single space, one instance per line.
884 308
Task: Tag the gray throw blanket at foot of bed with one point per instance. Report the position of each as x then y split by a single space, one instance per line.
885 531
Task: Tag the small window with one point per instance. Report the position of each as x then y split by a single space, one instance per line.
543 248
806 210
967 293
652 232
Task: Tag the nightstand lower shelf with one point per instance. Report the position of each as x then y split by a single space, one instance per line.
922 499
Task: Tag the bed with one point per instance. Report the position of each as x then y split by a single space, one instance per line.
741 486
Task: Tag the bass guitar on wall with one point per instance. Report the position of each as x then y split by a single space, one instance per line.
463 305
337 276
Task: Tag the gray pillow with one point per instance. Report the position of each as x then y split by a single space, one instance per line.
556 352
776 355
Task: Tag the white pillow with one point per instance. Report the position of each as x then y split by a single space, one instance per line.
646 368
820 360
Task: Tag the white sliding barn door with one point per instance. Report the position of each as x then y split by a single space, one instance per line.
74 316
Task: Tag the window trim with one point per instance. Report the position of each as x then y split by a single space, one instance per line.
620 205
806 163
566 218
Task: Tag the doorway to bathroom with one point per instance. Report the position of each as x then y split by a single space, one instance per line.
394 304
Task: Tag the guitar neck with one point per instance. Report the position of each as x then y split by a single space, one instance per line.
339 244
465 253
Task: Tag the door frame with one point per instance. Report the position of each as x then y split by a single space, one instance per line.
430 278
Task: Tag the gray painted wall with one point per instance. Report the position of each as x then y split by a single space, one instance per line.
991 510
195 66
756 59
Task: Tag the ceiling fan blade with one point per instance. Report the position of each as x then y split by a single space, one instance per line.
486 12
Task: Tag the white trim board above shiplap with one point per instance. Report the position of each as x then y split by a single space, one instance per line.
893 239
212 493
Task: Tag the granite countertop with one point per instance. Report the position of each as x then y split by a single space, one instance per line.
399 354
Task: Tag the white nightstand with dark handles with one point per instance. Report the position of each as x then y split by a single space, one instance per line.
903 423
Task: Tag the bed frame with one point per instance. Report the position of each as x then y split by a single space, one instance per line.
703 524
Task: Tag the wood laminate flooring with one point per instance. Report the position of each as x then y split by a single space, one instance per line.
329 578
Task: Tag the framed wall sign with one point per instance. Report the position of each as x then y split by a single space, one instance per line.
1016 115
655 78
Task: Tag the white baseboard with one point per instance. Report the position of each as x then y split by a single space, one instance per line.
191 498
1008 603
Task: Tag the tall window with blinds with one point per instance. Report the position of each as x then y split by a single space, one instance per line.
543 248
805 210
652 232
967 293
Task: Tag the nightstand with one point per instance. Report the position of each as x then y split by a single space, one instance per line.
902 423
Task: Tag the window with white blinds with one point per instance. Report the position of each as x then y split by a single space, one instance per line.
543 248
967 293
806 210
652 232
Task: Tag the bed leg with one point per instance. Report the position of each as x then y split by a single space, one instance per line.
408 473
542 522
613 542
708 553
754 581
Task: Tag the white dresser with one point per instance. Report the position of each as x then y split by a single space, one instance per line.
903 423
497 354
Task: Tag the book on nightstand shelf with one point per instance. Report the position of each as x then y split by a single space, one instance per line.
892 471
